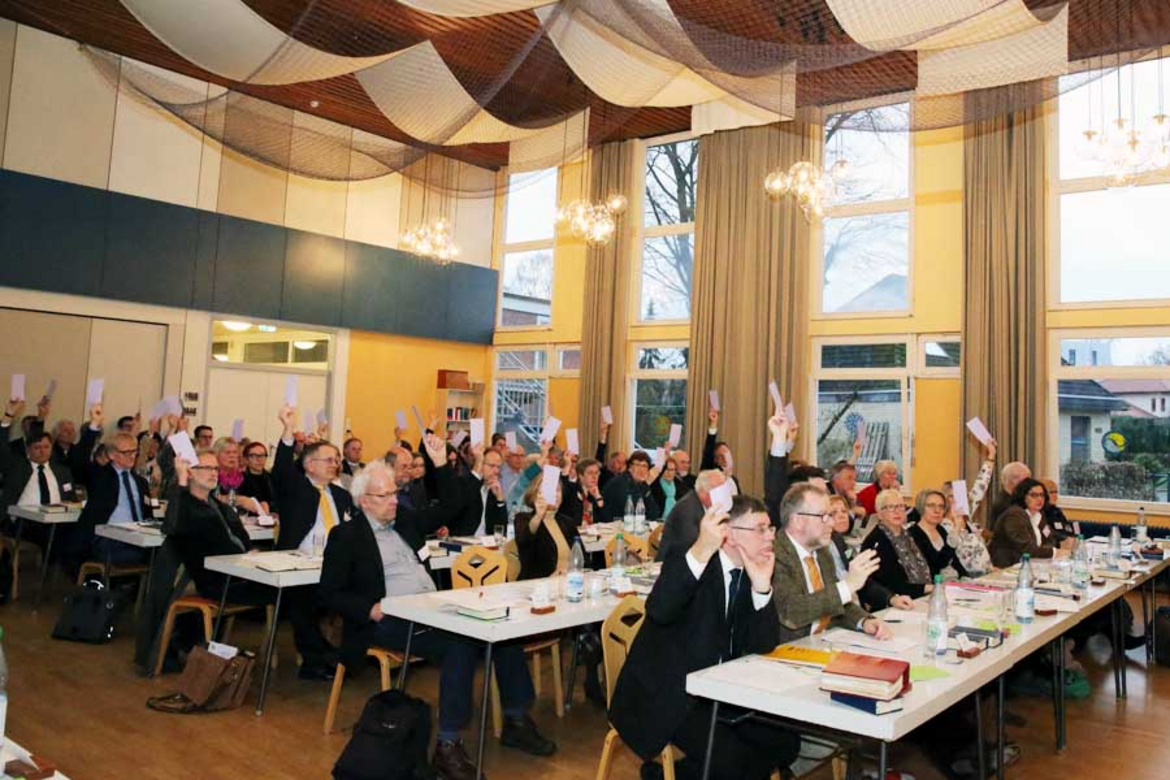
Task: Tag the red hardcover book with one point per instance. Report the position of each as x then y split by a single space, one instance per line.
866 675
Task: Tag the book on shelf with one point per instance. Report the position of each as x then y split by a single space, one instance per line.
865 704
866 675
801 656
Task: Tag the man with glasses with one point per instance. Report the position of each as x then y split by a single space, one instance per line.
377 555
311 506
809 597
710 604
634 484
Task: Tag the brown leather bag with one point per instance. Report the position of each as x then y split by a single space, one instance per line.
209 683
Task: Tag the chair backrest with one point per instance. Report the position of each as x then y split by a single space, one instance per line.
634 544
654 541
617 637
477 566
512 556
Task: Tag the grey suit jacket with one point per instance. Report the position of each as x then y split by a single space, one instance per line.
797 607
682 525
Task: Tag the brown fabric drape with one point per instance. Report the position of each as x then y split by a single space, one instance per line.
608 275
1004 298
750 299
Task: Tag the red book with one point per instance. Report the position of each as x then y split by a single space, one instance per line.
866 675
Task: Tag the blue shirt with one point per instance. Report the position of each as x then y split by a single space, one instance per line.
123 512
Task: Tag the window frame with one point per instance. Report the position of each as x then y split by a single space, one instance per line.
503 249
642 232
1057 372
634 373
552 370
893 206
1058 187
937 372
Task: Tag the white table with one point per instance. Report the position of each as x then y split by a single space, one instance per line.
247 567
36 514
14 752
438 610
149 537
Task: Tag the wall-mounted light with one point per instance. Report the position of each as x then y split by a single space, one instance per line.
304 344
236 326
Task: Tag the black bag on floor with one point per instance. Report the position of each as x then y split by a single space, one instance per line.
389 741
1162 635
88 615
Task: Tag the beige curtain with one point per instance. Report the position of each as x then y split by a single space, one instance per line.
750 301
1004 359
608 275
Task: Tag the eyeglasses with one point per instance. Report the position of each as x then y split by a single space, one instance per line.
381 495
825 518
257 455
127 452
895 507
758 530
205 468
935 505
334 461
1036 494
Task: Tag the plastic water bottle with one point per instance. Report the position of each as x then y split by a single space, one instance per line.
1025 592
1080 573
936 621
575 582
628 517
618 569
510 533
639 517
3 690
1115 548
1140 532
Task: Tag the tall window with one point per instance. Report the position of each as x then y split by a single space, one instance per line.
520 401
526 274
668 232
1122 229
1111 437
659 385
865 251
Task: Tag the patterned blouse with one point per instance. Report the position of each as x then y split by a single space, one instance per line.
913 562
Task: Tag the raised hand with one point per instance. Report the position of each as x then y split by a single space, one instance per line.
436 450
13 408
861 567
712 533
990 448
287 417
759 569
96 415
713 417
43 407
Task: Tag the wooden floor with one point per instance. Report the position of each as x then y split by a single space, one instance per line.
84 707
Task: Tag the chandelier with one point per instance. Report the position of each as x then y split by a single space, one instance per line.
434 239
811 186
1123 147
596 223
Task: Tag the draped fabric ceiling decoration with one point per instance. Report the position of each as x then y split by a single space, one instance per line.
531 83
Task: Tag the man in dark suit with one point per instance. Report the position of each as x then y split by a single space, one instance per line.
484 504
310 507
352 452
682 524
683 476
378 554
68 452
809 597
30 425
115 495
31 478
711 603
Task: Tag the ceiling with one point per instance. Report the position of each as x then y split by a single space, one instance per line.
537 84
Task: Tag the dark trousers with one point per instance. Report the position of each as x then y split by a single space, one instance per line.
241 592
300 604
118 553
749 750
457 658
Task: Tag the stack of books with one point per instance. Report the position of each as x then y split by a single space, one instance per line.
867 682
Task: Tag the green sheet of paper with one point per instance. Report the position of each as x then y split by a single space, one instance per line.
989 625
925 673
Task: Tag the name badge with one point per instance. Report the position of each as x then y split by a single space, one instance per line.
424 553
1046 531
68 486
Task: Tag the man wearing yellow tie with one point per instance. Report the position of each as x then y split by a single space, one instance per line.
310 507
808 596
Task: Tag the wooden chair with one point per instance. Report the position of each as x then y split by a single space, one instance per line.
634 544
9 543
512 556
208 608
139 570
478 566
617 637
654 541
388 660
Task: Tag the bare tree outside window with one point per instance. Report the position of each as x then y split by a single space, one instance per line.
668 218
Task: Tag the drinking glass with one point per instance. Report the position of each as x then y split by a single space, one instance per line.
318 544
501 532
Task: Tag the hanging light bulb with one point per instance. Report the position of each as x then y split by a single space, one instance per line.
617 204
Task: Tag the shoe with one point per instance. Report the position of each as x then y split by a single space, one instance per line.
318 673
651 770
451 761
521 733
593 690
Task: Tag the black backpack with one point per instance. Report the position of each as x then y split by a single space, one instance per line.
88 615
389 741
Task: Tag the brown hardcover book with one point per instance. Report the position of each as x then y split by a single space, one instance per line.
866 675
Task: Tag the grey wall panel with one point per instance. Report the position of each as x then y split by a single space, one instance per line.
150 251
370 297
249 268
53 235
314 275
203 275
471 304
421 297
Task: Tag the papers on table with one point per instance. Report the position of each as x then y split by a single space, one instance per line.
1044 601
843 637
551 426
422 426
713 398
291 388
962 507
183 448
607 415
277 561
478 430
400 419
774 391
721 497
979 430
548 485
572 441
17 393
238 429
94 391
675 435
510 440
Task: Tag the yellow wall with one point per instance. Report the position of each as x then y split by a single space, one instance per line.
387 373
937 412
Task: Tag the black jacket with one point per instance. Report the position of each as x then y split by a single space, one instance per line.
102 496
890 572
353 580
682 526
623 486
259 487
428 518
298 499
17 470
686 629
936 559
199 529
708 461
471 503
873 595
538 551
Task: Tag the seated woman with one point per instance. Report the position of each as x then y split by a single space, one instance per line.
257 482
1023 529
665 488
544 536
936 545
903 568
966 536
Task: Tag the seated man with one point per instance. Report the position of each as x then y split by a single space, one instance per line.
682 524
351 452
809 597
32 479
375 555
701 612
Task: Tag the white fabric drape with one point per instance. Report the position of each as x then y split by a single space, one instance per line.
473 7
